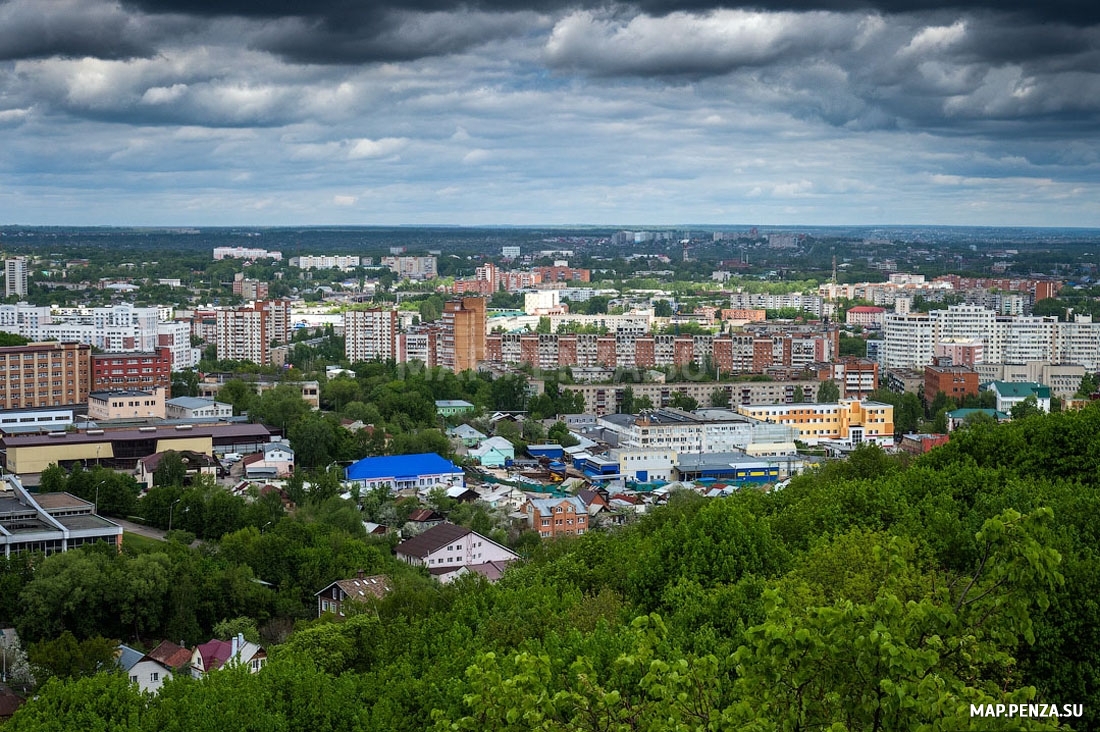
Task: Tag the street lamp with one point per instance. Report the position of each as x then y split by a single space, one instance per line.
172 506
95 509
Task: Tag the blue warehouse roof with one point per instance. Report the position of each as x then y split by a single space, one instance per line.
401 466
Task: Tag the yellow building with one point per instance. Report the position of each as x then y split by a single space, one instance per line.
126 404
849 421
120 449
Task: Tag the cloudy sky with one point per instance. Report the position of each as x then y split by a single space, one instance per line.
284 112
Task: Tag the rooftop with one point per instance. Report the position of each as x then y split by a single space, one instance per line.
438 536
401 466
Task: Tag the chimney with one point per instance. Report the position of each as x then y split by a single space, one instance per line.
360 574
238 641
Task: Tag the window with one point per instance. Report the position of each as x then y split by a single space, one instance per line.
133 679
155 676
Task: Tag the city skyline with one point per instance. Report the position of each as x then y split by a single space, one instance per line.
178 112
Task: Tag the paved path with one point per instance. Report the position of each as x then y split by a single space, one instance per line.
139 529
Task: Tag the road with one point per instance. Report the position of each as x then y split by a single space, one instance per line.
146 531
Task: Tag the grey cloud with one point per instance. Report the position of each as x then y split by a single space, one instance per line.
73 29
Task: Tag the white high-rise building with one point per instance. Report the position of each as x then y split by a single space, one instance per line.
15 277
370 335
115 329
908 340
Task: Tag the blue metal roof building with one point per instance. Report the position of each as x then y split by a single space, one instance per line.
421 471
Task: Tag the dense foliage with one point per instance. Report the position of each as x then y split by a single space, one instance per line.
874 593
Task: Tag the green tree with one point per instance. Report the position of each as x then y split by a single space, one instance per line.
559 433
828 392
720 397
680 400
171 470
239 394
67 658
662 309
280 407
1027 408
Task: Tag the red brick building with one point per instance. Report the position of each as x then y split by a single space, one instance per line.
112 371
954 381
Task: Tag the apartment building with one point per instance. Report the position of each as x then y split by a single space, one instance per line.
342 262
856 377
562 273
956 382
247 333
245 253
117 328
604 399
413 268
132 370
911 340
44 375
370 335
463 339
1063 379
15 277
850 422
249 289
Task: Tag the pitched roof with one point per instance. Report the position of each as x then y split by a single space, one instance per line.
375 586
171 655
425 514
400 466
127 657
1022 389
546 506
438 536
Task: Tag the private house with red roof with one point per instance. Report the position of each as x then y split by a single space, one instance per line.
216 654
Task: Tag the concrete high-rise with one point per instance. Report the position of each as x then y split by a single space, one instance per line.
370 335
15 276
248 332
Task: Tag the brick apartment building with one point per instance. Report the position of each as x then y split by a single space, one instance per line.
44 375
954 381
132 371
463 334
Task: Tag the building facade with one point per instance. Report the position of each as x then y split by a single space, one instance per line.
849 421
132 370
247 333
15 277
44 375
370 335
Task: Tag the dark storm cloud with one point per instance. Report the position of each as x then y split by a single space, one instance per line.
72 29
340 12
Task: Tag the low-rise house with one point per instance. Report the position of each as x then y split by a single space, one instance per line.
494 452
216 654
958 417
557 516
275 461
469 436
173 657
453 407
423 519
446 548
362 590
1009 394
420 472
148 673
195 463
